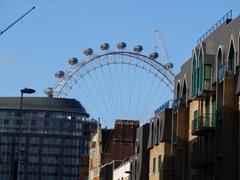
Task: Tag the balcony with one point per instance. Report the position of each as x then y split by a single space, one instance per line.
207 89
201 160
177 103
204 124
222 70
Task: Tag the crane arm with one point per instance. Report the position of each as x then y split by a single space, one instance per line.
161 45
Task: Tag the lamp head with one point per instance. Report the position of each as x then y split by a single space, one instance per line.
27 91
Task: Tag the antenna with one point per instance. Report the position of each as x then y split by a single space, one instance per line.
161 45
1 32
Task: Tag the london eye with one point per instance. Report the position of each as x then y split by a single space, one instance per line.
116 84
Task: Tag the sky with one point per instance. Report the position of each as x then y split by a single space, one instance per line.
42 42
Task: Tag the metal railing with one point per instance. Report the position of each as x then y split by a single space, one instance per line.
178 102
207 84
222 70
227 16
205 120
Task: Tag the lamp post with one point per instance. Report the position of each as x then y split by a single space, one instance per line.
16 168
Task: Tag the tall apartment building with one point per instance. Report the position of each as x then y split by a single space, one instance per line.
205 143
49 141
159 146
111 145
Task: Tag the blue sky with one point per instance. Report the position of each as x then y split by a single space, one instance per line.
41 43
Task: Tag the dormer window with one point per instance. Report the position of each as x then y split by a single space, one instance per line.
231 59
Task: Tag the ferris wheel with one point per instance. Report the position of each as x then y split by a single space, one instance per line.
116 84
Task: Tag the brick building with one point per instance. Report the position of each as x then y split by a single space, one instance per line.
109 145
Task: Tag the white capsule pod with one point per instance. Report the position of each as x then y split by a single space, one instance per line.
121 45
153 55
59 74
88 51
73 61
138 48
104 46
168 65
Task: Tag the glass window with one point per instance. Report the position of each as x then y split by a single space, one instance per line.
154 165
159 162
34 149
33 159
33 122
34 140
39 122
207 72
79 125
6 121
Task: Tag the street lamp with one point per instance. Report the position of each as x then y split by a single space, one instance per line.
16 168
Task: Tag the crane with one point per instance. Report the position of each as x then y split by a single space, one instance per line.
1 32
163 49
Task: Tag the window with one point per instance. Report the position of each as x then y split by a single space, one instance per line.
154 165
160 163
201 72
207 77
195 120
178 90
184 96
238 49
194 76
6 121
207 72
158 131
232 59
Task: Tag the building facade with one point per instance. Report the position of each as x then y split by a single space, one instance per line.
122 171
109 145
206 113
139 162
48 140
159 145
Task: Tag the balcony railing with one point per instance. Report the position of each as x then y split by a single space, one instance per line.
201 159
226 17
207 85
177 103
203 124
207 89
222 70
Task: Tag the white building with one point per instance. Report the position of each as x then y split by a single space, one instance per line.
122 171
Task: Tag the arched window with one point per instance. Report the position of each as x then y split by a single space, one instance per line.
219 57
158 131
136 168
178 90
239 48
201 72
184 92
152 134
161 131
220 66
194 76
231 59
